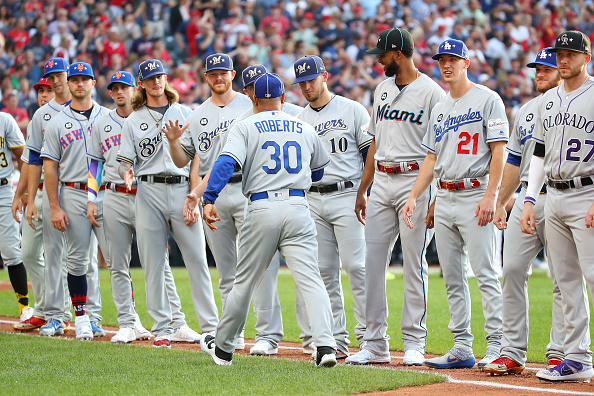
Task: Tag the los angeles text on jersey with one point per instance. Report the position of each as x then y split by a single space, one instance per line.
278 126
384 113
577 121
206 138
455 122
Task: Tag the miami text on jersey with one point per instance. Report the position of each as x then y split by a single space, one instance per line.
206 138
332 125
71 137
278 126
455 122
384 113
112 141
575 120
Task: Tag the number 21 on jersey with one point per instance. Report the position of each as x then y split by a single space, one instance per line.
468 143
290 158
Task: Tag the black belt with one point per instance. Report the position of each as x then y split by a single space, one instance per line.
567 184
3 182
235 179
543 189
330 187
164 179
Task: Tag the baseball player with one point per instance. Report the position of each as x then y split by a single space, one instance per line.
340 124
160 196
466 139
520 250
32 240
402 108
279 156
65 162
563 135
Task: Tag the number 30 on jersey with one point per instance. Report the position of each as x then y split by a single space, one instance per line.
290 158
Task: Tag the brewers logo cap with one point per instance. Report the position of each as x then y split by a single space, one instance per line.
308 68
250 74
218 62
42 81
122 77
452 47
55 65
80 69
573 41
269 86
394 39
544 57
149 68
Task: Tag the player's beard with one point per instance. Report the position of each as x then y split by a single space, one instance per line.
314 96
572 72
542 88
217 90
392 69
86 93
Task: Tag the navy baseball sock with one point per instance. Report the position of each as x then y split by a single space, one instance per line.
18 280
78 293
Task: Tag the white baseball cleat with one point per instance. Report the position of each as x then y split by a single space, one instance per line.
207 344
491 355
365 356
309 349
124 336
412 357
26 314
185 334
567 371
140 332
240 344
84 331
263 348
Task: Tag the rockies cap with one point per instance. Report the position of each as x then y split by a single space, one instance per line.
251 73
42 81
122 77
452 47
149 68
308 68
394 39
55 65
80 69
268 86
544 57
219 62
572 40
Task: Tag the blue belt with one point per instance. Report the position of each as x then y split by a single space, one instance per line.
264 195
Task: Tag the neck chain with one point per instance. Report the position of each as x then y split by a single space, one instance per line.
157 121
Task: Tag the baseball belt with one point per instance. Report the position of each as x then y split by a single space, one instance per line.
81 186
3 182
543 190
400 168
331 187
567 184
235 179
264 195
458 185
164 179
121 189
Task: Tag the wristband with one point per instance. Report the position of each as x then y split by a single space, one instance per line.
206 201
529 199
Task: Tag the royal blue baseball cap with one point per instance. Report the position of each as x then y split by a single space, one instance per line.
55 65
308 68
544 57
149 68
251 73
268 86
452 47
122 77
218 62
81 69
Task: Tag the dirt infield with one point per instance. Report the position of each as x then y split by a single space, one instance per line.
462 382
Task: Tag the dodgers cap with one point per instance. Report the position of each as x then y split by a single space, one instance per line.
55 65
544 57
250 74
122 77
452 47
394 39
572 40
219 61
149 68
269 86
42 81
308 68
80 69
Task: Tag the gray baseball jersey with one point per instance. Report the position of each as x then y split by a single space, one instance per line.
288 108
11 137
38 123
520 141
105 143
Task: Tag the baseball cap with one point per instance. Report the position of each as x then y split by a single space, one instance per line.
452 47
268 86
544 57
572 40
149 68
42 81
250 74
80 69
394 39
308 68
218 62
55 65
122 77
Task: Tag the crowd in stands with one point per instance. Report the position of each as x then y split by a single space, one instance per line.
502 36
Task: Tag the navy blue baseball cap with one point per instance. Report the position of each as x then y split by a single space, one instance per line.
55 65
122 77
452 47
149 68
80 69
269 86
544 57
308 68
218 62
251 73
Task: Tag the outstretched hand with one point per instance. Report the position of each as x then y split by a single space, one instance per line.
173 131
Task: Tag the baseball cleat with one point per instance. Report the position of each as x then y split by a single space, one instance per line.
97 330
66 326
83 328
185 334
309 349
326 357
455 358
240 344
553 361
491 355
52 328
365 356
567 371
140 332
34 322
124 336
26 314
263 348
412 357
221 358
503 365
162 342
